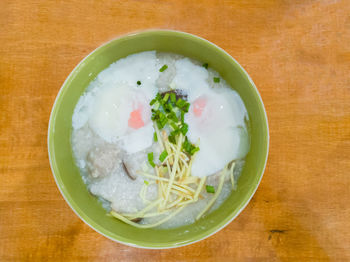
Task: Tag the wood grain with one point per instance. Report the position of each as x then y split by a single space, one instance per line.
298 54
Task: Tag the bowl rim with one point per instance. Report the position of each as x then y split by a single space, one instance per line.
76 208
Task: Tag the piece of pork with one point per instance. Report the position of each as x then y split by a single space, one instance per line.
101 161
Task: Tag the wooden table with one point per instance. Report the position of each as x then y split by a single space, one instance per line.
298 54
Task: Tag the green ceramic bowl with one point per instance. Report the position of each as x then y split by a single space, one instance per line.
67 174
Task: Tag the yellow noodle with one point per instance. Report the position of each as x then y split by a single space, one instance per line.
166 180
216 195
127 221
186 202
141 212
199 188
190 180
174 203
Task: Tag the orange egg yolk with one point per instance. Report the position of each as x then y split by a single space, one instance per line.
135 119
199 105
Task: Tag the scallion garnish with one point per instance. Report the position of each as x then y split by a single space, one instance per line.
153 101
186 107
160 118
184 128
163 68
216 79
173 125
172 116
194 150
138 83
173 98
166 97
156 105
169 110
172 139
182 116
180 103
146 182
158 96
210 189
188 147
155 138
163 156
150 159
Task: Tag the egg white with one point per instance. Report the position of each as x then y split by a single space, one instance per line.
219 130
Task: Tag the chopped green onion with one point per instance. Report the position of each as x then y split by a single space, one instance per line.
163 68
166 97
153 101
175 132
186 107
168 107
155 115
146 182
216 79
184 128
158 96
163 155
162 121
156 105
182 116
176 110
172 116
180 103
188 147
174 126
168 110
210 189
138 83
194 150
150 159
205 65
162 116
172 139
173 98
